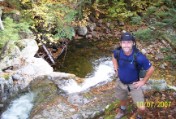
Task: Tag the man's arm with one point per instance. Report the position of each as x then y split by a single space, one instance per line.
149 73
114 61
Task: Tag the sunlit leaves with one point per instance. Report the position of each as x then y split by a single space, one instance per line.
11 30
50 15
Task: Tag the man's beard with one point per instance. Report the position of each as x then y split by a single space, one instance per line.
127 50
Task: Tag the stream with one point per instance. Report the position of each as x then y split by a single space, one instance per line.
20 108
102 73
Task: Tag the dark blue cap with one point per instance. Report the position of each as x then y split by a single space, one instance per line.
127 37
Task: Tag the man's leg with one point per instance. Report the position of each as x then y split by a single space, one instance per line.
121 110
138 98
122 94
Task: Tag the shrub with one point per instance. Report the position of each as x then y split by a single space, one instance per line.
11 30
136 20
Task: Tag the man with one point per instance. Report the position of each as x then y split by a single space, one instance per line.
127 70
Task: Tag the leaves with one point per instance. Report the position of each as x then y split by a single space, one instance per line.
12 29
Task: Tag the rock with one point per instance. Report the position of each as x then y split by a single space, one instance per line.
91 26
15 53
89 36
28 47
77 116
95 35
121 23
16 77
82 30
158 84
10 56
76 99
100 23
159 56
108 24
143 51
35 67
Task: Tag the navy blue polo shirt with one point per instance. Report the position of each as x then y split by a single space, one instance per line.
127 71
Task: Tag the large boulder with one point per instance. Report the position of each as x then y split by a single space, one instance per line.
10 55
15 53
29 48
35 67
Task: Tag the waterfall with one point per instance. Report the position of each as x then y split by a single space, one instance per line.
103 72
20 108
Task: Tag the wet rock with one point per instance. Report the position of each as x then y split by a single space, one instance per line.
77 99
66 107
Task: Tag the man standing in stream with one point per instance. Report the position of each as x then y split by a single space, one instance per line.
128 62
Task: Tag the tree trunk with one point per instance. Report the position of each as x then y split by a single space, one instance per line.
1 24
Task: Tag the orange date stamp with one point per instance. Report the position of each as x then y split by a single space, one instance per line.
151 104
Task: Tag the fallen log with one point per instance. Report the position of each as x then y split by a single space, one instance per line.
48 53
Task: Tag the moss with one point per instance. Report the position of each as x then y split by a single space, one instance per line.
112 107
6 76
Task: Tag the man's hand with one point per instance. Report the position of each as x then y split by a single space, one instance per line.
139 84
116 73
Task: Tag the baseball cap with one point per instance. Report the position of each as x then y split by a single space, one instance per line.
127 37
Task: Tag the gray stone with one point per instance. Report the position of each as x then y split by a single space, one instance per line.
91 26
17 77
77 116
82 30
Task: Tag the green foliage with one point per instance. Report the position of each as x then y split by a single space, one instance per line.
144 34
112 107
160 18
81 6
6 76
52 18
14 3
171 59
11 30
67 32
119 11
136 20
139 5
151 10
122 10
168 3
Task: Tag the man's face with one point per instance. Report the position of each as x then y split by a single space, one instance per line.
126 46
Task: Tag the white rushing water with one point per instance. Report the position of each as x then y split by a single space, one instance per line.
20 108
103 72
